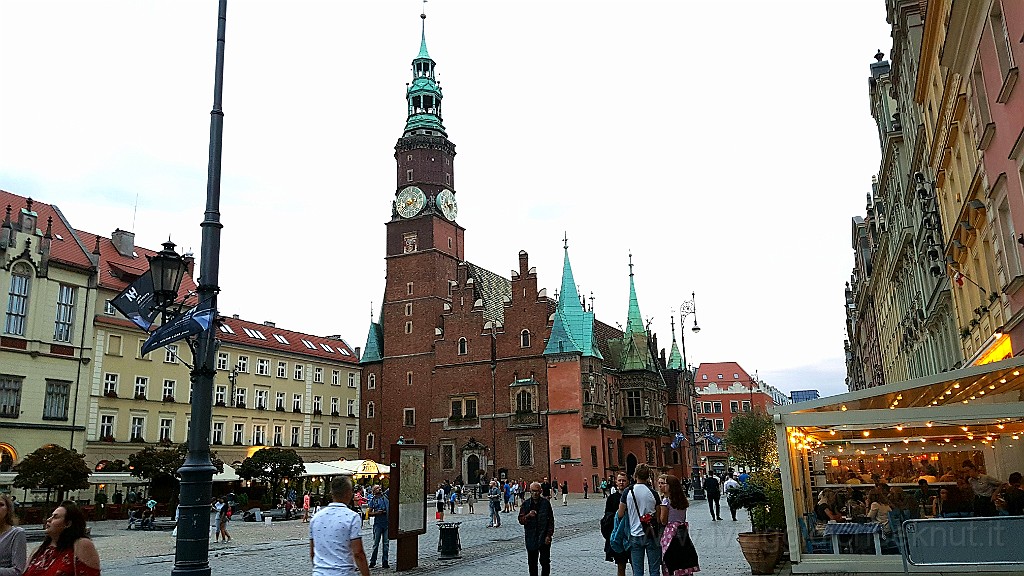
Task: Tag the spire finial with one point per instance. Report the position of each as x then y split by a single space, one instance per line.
631 263
565 240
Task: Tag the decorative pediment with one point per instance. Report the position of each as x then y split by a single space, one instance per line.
472 445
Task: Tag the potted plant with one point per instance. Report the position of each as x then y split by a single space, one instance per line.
107 438
168 398
110 394
751 441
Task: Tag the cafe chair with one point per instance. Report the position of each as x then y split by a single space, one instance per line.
812 544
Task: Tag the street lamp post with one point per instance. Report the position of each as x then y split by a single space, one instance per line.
688 308
192 550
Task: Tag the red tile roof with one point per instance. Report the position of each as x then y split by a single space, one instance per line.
726 369
118 271
64 247
248 334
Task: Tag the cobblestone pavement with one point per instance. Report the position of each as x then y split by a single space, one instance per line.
283 547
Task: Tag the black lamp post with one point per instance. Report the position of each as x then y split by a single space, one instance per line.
688 308
192 549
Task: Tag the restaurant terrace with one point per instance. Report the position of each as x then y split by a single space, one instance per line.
929 427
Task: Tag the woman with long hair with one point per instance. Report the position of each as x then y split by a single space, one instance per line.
12 539
67 549
678 554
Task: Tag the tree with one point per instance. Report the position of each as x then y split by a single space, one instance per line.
271 465
53 467
751 440
160 467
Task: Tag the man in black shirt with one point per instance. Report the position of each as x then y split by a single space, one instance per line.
713 490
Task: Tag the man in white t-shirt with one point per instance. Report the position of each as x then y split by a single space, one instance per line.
335 546
639 501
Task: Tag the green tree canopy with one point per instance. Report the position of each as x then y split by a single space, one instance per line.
160 466
53 467
271 465
751 440
155 464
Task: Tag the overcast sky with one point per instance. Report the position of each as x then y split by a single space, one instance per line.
727 145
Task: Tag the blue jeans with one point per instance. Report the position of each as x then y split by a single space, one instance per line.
379 533
637 546
495 513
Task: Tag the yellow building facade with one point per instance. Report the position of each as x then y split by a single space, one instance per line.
46 336
71 372
945 92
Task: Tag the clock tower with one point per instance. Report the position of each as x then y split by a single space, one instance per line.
424 247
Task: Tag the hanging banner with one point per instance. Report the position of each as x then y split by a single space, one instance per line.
192 322
136 302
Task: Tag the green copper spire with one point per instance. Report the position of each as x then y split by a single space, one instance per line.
424 94
573 327
424 55
675 360
634 322
636 354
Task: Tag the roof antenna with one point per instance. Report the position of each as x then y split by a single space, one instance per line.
135 211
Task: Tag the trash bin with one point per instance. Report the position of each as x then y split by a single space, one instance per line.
449 544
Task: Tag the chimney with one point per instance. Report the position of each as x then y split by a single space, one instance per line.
190 264
269 323
235 316
358 352
124 242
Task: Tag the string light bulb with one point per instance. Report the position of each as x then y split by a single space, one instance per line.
866 433
900 427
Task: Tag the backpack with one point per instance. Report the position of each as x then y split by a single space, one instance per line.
619 541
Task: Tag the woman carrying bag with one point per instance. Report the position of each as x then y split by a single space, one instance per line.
678 554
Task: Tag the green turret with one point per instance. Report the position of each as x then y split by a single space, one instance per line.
636 354
424 94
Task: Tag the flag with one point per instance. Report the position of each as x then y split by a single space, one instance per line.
136 302
195 321
677 440
958 278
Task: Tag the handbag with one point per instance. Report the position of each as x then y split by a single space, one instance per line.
648 522
619 541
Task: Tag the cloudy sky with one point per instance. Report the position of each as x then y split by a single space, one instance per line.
726 145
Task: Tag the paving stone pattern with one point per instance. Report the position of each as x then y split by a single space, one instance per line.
283 547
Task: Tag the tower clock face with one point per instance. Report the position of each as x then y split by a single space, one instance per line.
445 201
410 201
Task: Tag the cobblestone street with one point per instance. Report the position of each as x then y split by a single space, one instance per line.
282 548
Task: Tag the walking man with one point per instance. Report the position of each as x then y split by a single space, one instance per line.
713 491
586 487
538 521
378 508
335 546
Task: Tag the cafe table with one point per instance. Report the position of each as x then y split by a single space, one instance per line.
836 529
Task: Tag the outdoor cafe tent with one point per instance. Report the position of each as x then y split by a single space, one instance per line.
975 413
331 468
228 475
363 467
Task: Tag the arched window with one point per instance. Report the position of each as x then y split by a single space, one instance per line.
371 382
672 426
463 347
369 410
17 299
675 457
524 402
369 441
524 339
